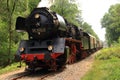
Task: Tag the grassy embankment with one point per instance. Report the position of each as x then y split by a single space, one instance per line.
10 68
106 65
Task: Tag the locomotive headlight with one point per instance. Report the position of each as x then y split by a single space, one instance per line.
37 16
21 49
50 47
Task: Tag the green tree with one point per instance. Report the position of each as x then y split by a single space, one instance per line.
9 38
87 28
111 21
67 9
7 9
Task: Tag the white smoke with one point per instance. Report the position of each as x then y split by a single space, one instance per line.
45 3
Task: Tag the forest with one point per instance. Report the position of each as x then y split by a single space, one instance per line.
9 38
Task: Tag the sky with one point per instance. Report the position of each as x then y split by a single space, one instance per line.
93 11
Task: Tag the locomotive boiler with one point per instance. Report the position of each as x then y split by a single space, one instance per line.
41 24
52 40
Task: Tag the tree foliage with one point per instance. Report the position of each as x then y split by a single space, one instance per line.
111 21
9 38
67 9
87 28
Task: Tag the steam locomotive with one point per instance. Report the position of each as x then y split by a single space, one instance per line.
52 41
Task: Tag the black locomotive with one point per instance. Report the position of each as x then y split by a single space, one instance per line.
41 24
53 41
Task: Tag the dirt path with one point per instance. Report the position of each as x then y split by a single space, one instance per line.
71 72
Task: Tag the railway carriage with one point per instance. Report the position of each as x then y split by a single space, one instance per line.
89 42
99 44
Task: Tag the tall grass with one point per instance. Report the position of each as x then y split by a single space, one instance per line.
108 53
104 70
106 65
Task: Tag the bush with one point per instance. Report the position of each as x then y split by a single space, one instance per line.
104 70
108 53
106 65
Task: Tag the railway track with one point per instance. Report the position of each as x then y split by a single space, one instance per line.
22 76
41 73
